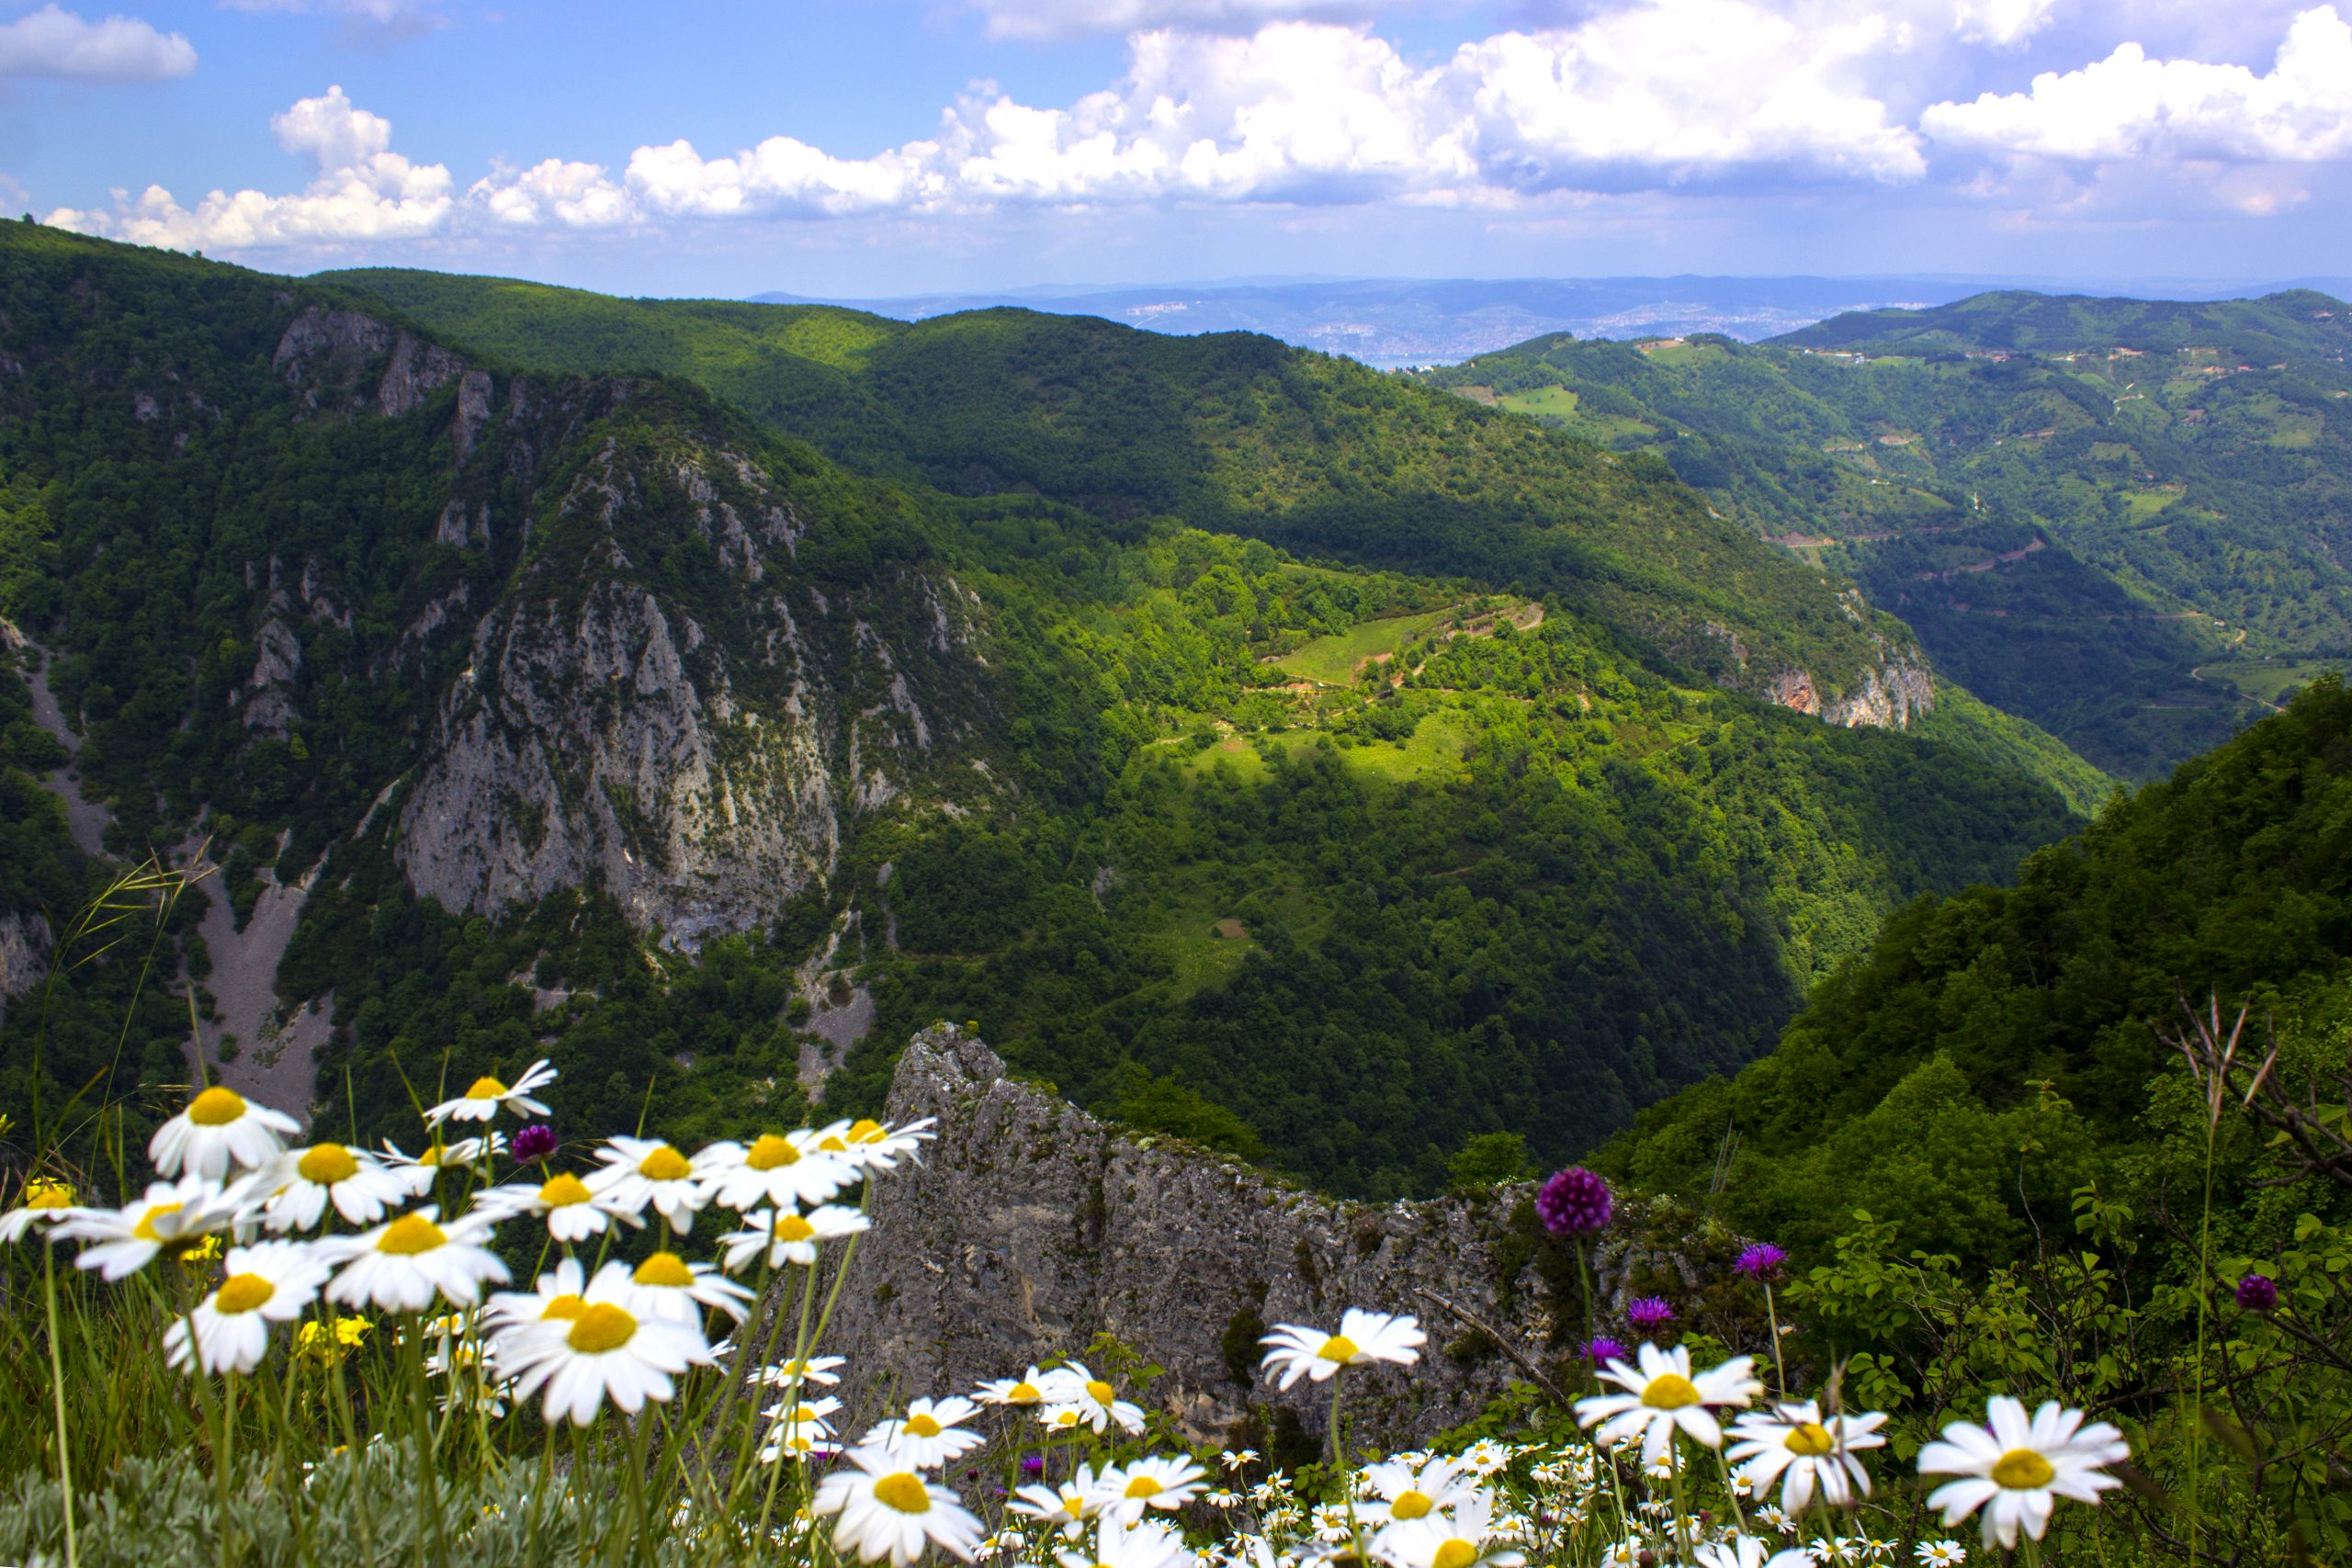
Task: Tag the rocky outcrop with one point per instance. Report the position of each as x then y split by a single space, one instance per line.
1887 696
702 774
1030 1227
24 943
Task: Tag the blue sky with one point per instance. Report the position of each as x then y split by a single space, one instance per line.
863 149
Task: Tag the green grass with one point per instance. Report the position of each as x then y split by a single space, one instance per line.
2271 679
1432 753
1555 402
1334 659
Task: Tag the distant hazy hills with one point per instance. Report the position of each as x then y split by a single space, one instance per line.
1398 322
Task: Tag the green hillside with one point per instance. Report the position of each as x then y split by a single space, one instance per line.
2095 513
1162 818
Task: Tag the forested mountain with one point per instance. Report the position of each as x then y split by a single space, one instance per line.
1262 749
2124 519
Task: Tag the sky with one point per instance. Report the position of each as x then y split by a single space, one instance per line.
867 147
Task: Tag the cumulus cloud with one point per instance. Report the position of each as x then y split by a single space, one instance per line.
578 196
362 190
55 42
2129 106
1065 19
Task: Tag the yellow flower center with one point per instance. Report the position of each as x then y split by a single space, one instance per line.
665 1164
42 1192
1064 1417
410 1235
1411 1505
865 1130
566 1306
2022 1470
242 1292
1671 1391
831 1144
563 1190
216 1107
770 1152
801 1412
1024 1393
1811 1440
1102 1393
904 1492
1340 1349
1143 1486
145 1229
922 1426
485 1088
326 1164
601 1327
792 1227
665 1268
1454 1555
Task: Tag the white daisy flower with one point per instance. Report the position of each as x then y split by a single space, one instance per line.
610 1350
927 1435
1411 1487
1941 1553
560 1293
788 1237
641 1173
169 1214
1815 1454
274 1281
1155 1482
869 1143
221 1128
354 1180
43 1200
1237 1459
1663 1395
887 1510
1485 1457
1035 1388
1148 1545
1363 1337
803 1432
672 1288
1092 1401
485 1097
2015 1469
1454 1537
422 1169
815 1414
780 1171
1747 1551
818 1370
400 1266
573 1213
1066 1505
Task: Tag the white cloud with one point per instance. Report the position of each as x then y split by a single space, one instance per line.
578 196
1065 19
779 176
56 42
2129 106
362 190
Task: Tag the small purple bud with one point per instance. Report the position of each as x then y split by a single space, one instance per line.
1649 1314
1761 1261
2258 1292
1574 1202
1033 1464
1603 1351
535 1143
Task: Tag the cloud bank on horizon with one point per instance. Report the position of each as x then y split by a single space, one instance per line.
1313 106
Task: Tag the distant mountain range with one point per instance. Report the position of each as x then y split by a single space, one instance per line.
1392 323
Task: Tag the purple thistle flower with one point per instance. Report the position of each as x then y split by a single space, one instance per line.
535 1143
1603 1351
1574 1202
2258 1292
1761 1260
1649 1314
1033 1464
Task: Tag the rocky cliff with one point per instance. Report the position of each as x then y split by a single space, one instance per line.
1031 1226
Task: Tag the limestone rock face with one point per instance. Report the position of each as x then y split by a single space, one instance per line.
1887 696
1031 1226
25 942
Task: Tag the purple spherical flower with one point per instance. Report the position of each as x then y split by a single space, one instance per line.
2258 1292
1603 1351
1033 1464
535 1142
1649 1314
1760 1260
1574 1202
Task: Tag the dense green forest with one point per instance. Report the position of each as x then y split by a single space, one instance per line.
2120 519
1331 844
